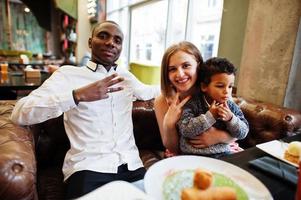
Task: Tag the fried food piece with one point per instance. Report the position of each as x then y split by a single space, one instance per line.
290 157
293 152
212 193
202 179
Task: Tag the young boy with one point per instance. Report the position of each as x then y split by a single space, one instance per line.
212 106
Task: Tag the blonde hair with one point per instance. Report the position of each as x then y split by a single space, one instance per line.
166 87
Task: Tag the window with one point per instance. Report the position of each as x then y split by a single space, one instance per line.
204 25
177 18
150 26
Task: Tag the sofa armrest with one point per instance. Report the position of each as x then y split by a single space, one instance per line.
267 121
17 162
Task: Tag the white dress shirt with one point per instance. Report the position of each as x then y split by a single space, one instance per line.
100 132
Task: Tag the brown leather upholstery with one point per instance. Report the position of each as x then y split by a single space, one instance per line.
17 158
31 157
267 122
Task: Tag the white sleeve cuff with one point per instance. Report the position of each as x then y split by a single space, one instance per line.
66 101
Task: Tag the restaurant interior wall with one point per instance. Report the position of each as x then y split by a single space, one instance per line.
83 29
232 33
268 49
293 91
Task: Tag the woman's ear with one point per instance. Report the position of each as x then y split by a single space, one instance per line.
203 87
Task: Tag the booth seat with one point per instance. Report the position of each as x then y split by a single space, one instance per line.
31 157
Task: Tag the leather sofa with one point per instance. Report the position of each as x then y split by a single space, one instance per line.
31 157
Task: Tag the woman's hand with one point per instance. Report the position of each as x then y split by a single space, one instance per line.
174 111
210 137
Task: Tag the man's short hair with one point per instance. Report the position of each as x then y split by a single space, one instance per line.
103 22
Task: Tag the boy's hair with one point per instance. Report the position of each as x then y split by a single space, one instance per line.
214 66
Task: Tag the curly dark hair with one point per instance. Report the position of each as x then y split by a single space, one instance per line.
215 65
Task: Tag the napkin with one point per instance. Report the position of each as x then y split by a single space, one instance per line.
277 168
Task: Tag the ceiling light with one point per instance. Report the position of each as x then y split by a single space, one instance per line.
26 10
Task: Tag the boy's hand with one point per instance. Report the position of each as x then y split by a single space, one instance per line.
214 109
224 112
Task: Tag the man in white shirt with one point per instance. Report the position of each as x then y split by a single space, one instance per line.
96 101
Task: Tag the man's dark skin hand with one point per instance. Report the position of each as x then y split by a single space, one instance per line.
98 90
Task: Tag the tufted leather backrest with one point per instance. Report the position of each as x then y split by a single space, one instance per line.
267 121
17 162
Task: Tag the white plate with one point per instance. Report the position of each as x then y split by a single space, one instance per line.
276 149
116 190
157 173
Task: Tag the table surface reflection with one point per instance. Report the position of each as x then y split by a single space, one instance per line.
17 81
